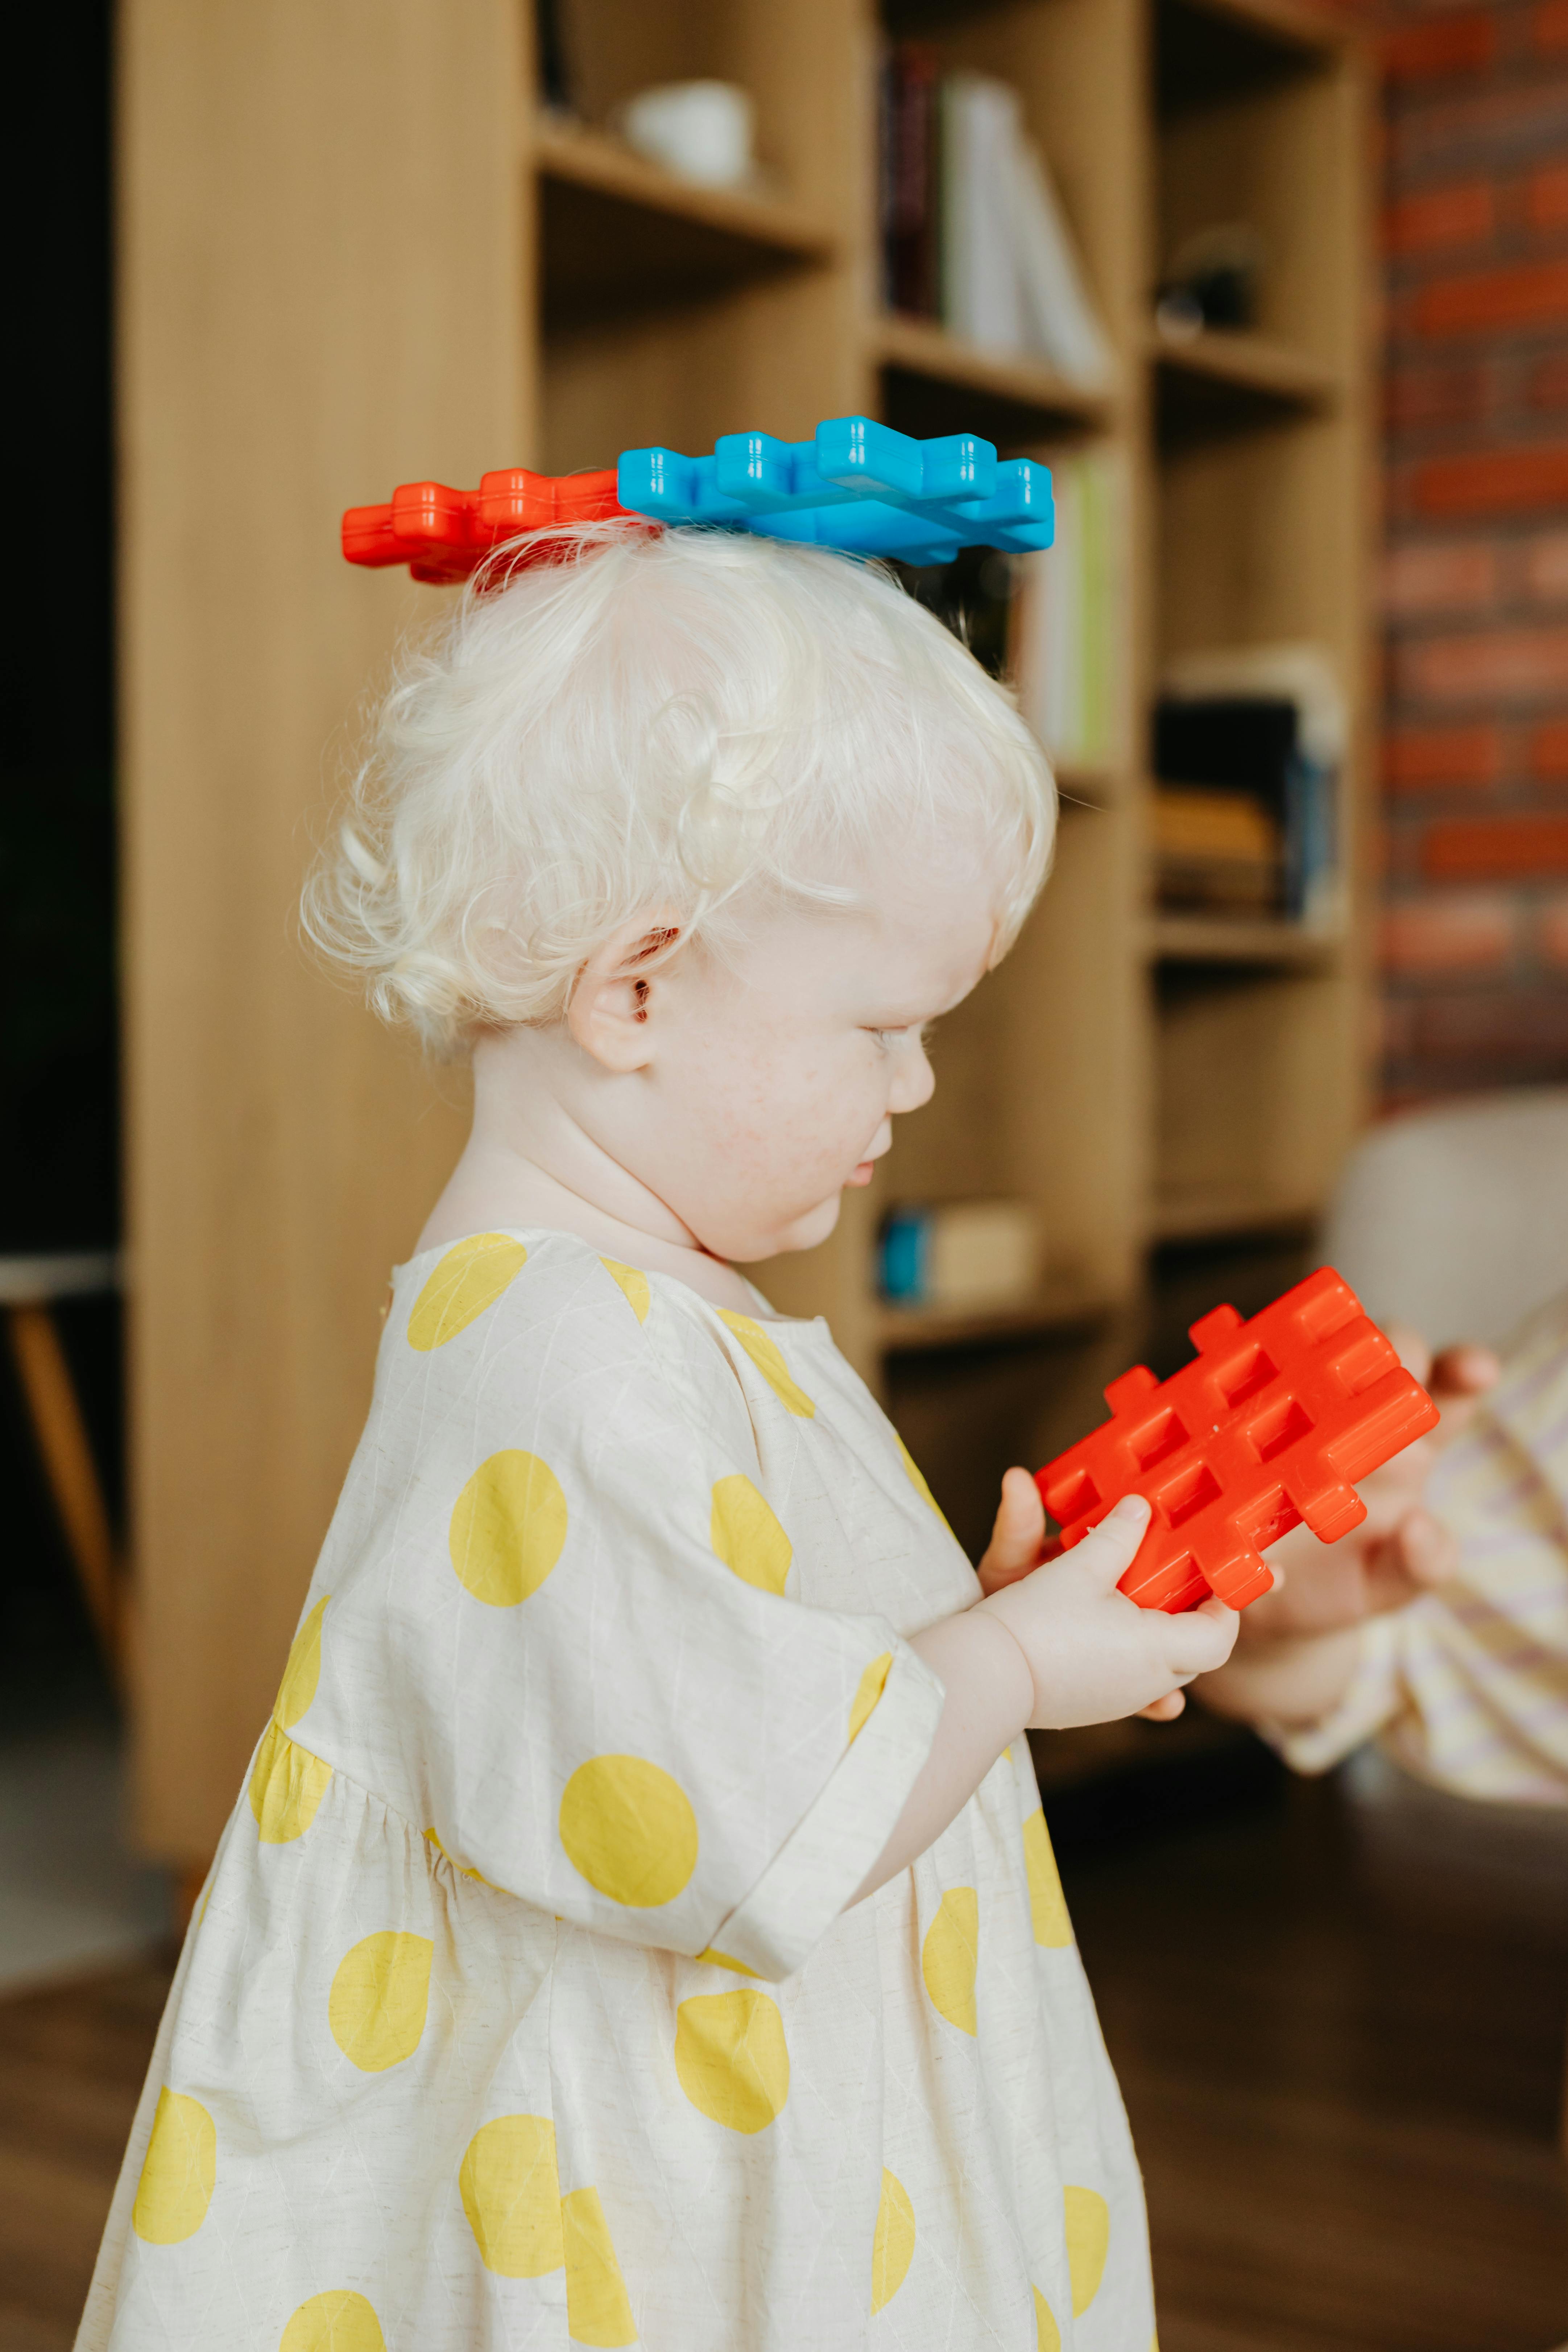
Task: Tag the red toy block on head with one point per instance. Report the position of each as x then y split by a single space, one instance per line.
1273 1424
444 535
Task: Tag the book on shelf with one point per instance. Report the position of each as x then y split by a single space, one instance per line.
1249 748
972 231
1067 615
962 1256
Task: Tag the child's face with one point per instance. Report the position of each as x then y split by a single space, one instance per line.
773 1079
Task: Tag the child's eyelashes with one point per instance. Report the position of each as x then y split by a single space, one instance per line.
887 1039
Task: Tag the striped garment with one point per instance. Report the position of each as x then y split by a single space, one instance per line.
1469 1685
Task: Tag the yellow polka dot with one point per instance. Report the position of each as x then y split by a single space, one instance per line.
598 2311
765 1354
303 1670
1087 2218
949 1955
511 2195
287 1784
872 1683
722 1960
629 1829
1047 2335
632 1282
508 1528
177 2171
378 2001
730 2056
893 2246
1047 1904
334 2321
746 1536
917 1480
470 1278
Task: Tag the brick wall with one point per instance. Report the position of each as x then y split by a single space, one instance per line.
1475 922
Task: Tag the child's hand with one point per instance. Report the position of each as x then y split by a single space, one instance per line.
1094 1655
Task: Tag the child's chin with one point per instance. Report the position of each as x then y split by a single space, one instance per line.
801 1233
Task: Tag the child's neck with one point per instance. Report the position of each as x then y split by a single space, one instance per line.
528 1162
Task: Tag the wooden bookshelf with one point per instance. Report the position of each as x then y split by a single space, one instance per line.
448 282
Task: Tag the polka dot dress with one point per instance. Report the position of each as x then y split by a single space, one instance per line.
523 2008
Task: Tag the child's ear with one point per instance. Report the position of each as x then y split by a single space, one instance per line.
611 1013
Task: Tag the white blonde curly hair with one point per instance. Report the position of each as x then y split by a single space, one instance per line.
685 721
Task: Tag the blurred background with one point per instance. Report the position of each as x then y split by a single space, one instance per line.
1280 292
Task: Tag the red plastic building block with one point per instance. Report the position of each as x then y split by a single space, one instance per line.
444 535
1273 1424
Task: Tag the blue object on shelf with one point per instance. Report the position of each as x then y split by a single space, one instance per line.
904 1253
858 487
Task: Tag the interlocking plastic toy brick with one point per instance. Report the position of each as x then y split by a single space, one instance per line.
858 486
444 535
1272 1424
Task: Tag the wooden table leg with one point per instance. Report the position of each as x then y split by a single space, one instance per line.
55 1412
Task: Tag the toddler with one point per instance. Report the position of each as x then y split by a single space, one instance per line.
639 1925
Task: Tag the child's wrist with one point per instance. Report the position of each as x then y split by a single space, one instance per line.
1019 1677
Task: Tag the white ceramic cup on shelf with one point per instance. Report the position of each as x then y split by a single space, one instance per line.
702 129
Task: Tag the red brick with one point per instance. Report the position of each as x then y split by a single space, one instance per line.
1472 933
1546 567
1448 395
1463 215
1496 849
1549 752
1551 933
1522 294
1548 384
1496 1031
1546 197
1550 24
1446 576
1491 665
1448 45
1421 759
1472 131
1495 481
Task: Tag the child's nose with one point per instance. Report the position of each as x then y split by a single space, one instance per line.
914 1081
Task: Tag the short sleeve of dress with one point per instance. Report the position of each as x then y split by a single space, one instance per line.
565 1631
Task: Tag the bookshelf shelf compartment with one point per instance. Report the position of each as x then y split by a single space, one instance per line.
1059 1307
934 384
1222 1214
1223 382
1217 939
619 234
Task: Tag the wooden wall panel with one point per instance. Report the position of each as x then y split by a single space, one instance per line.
323 280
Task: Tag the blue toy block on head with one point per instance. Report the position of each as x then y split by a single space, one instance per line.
858 485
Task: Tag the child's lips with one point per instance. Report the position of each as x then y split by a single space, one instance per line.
863 1173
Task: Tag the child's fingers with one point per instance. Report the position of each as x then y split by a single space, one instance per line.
1017 1535
1111 1549
1201 1639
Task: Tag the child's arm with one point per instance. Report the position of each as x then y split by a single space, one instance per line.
1053 1646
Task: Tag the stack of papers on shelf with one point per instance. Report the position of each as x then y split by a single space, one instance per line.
1249 745
964 1255
1216 851
972 231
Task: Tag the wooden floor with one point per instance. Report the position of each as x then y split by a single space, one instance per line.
1343 2073
1345 2103
71 2064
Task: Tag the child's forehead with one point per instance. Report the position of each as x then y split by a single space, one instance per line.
917 929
